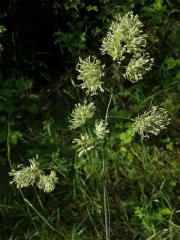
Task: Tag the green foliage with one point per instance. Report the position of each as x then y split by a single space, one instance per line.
2 30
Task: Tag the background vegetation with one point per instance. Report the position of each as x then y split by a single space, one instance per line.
40 44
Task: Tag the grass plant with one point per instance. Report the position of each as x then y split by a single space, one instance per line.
93 177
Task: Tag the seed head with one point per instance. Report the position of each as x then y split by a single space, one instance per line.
47 182
81 114
152 122
84 144
33 175
101 130
137 67
90 72
124 36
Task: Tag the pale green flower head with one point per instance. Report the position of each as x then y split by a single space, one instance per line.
90 72
137 67
87 142
152 122
47 182
81 113
124 36
33 175
101 130
23 178
26 176
84 144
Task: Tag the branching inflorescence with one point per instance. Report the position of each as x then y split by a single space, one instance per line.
90 72
124 37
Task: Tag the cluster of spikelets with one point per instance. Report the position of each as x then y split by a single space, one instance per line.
152 122
124 37
137 67
91 140
33 175
90 72
81 113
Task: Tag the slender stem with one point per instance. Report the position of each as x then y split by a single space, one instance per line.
107 110
105 213
105 195
112 91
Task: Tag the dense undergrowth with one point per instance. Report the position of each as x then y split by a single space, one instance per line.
135 194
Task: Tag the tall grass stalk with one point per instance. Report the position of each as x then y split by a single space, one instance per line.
105 193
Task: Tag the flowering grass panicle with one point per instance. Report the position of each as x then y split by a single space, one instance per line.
33 175
81 113
26 176
124 36
23 178
137 67
152 122
85 143
90 72
101 130
47 182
